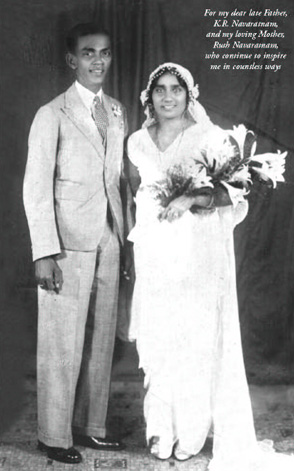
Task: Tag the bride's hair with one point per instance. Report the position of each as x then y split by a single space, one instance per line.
186 80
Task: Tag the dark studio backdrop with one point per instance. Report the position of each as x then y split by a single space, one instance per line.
146 33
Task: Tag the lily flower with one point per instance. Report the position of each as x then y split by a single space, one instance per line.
270 166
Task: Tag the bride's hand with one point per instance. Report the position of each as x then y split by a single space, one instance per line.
177 208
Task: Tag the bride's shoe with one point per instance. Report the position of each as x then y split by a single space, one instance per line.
159 449
182 455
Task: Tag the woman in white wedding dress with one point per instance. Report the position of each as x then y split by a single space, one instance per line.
184 310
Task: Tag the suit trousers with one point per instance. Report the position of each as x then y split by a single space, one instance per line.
76 333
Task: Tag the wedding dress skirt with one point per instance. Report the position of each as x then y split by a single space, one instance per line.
185 322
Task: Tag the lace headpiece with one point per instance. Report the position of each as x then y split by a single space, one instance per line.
196 110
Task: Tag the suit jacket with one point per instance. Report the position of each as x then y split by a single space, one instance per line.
69 181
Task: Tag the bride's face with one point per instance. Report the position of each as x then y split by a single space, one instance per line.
169 97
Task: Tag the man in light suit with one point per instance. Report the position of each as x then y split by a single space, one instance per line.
73 206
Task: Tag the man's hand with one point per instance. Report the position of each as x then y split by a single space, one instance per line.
48 274
128 271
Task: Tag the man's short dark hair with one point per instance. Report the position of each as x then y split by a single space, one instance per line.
82 29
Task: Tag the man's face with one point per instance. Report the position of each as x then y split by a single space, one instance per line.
91 60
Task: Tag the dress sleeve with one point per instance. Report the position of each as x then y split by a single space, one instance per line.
132 150
126 126
132 165
240 212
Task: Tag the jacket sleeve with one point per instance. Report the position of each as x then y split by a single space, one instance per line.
38 189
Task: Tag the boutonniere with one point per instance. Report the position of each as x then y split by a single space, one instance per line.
117 111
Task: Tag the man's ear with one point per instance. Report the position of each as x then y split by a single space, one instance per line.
71 60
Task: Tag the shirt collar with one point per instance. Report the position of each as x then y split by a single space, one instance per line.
86 95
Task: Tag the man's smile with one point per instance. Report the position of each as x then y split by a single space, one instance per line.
97 69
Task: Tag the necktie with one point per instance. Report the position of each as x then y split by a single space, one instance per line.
100 117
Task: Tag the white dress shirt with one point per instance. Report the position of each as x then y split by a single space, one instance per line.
87 96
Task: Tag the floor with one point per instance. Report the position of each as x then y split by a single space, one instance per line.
273 411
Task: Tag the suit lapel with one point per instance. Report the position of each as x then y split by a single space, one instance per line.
77 112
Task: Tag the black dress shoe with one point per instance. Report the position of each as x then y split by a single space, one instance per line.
65 455
98 443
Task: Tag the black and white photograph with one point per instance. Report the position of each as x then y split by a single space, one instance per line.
147 223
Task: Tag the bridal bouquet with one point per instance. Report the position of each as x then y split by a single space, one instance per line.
182 179
227 157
